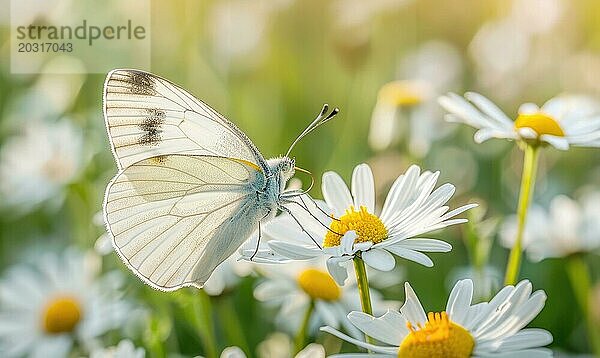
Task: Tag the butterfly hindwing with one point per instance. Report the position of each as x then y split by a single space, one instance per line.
174 218
149 116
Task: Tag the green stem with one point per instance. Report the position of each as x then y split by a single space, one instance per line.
581 282
303 331
234 332
530 162
204 323
363 289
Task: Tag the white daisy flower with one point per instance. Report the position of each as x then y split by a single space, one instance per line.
561 122
412 208
407 108
46 308
125 349
487 329
568 227
36 165
299 284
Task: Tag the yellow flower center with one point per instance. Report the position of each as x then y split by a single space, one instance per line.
402 93
61 315
440 338
367 226
319 285
541 123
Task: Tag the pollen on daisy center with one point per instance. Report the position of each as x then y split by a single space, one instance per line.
61 315
367 226
319 285
541 123
440 337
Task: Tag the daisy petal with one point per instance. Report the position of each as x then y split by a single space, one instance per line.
336 193
293 251
527 338
489 108
412 308
398 249
376 328
379 259
459 301
363 187
371 347
560 143
337 269
426 245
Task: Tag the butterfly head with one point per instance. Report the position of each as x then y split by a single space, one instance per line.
286 168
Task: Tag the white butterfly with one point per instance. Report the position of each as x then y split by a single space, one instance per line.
191 186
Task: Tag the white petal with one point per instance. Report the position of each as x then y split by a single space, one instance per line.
529 108
379 259
336 193
400 193
527 338
416 256
425 245
527 133
557 142
348 241
363 187
376 328
412 308
313 350
489 108
371 347
459 301
233 352
293 251
337 269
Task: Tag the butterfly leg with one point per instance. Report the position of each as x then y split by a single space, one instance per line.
257 243
283 208
303 206
259 236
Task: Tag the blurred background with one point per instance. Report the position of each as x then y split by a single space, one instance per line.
269 66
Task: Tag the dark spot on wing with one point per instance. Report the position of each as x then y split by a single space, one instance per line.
141 83
151 126
159 159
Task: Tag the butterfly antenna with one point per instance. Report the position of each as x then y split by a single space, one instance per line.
322 118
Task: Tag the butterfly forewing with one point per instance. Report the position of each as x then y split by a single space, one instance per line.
174 218
149 116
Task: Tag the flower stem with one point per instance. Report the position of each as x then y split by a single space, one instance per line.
303 331
581 282
530 162
204 323
363 289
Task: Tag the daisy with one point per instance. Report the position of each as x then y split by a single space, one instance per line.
407 108
561 122
487 329
568 227
38 164
305 286
353 230
47 308
125 349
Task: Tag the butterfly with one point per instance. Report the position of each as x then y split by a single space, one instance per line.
191 187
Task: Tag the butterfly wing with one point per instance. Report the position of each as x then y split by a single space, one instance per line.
175 218
148 116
